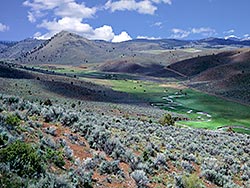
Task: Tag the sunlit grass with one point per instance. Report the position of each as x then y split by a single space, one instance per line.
222 112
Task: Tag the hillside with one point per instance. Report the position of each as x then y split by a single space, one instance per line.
19 49
70 49
147 69
222 42
232 63
230 80
6 44
212 61
74 127
225 74
68 145
16 80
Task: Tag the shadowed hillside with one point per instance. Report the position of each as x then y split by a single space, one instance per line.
6 71
195 66
226 74
155 70
67 87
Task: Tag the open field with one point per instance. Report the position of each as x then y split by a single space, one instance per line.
202 110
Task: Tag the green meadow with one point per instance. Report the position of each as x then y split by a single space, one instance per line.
203 110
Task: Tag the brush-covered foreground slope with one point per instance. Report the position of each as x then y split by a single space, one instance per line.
226 74
55 144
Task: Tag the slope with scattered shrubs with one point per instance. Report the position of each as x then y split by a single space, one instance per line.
66 146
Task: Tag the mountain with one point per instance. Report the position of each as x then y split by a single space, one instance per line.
68 48
232 37
222 42
18 49
63 48
6 44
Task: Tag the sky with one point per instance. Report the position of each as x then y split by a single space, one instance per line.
121 20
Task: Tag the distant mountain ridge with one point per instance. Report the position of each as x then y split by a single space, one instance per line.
6 44
13 50
222 41
67 47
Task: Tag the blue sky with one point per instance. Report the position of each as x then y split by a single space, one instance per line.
119 20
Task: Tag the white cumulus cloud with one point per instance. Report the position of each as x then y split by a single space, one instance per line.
123 36
157 24
142 7
61 8
180 33
205 31
75 25
103 33
4 27
246 37
231 31
162 1
148 38
69 15
72 9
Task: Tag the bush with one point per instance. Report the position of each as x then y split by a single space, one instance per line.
48 115
83 178
3 139
111 167
167 119
73 105
22 158
47 102
187 166
13 120
215 177
69 119
12 100
140 178
192 181
9 179
90 163
50 180
55 157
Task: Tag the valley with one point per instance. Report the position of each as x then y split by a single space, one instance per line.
141 113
